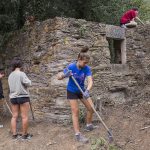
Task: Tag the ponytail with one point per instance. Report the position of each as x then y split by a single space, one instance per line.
83 55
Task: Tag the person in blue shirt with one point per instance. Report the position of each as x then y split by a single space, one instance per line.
80 71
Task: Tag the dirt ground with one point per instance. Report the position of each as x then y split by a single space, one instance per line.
125 121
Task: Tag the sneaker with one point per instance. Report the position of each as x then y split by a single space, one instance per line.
123 26
19 135
1 126
81 138
90 127
26 137
16 136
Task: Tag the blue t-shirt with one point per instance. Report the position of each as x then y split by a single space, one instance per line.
79 75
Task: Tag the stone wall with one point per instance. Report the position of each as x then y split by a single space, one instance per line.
138 60
47 47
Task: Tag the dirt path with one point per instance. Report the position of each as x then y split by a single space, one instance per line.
125 121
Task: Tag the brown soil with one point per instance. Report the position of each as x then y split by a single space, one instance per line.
124 120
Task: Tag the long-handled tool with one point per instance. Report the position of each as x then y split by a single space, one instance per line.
31 110
92 105
8 106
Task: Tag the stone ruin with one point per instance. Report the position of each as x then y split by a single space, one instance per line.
120 62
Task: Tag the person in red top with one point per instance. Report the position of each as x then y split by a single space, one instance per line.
128 18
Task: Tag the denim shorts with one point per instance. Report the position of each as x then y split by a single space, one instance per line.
19 100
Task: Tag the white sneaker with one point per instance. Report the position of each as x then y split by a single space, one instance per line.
1 126
123 26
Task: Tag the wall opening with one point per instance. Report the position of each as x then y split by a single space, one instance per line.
117 49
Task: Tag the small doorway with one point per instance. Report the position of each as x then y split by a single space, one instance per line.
117 49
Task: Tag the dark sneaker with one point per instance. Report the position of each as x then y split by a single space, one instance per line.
15 137
90 127
19 135
81 138
26 137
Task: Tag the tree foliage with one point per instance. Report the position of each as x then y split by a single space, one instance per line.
13 12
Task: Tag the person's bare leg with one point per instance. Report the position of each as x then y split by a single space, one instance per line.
24 108
75 115
15 112
131 24
89 110
75 118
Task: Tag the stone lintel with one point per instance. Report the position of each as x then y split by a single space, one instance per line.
115 32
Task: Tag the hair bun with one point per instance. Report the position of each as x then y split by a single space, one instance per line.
84 49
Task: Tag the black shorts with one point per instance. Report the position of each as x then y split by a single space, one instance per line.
71 95
19 100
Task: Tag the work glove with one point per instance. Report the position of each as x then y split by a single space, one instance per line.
68 74
86 94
